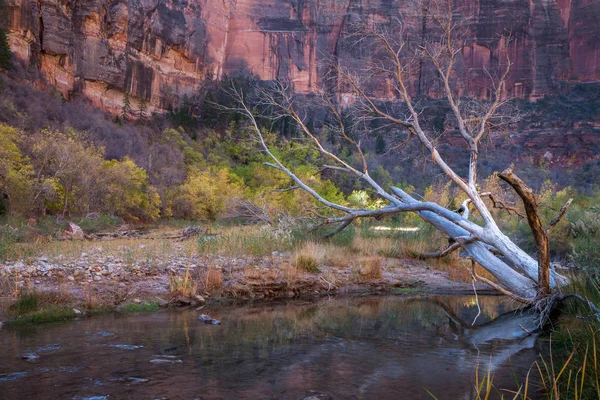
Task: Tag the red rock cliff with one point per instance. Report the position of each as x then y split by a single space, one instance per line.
160 50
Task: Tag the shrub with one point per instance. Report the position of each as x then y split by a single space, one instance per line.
205 195
306 263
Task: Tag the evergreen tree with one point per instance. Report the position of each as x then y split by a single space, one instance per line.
126 108
5 54
143 112
380 145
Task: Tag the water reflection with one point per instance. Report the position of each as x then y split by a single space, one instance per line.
350 348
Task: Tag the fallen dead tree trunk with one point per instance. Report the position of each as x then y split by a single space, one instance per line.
517 273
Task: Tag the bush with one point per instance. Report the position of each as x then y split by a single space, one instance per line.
585 234
205 195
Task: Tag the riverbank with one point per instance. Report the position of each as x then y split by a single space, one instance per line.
240 263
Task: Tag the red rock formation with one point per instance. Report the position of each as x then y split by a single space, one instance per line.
161 50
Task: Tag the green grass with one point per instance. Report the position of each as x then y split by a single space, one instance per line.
51 313
571 370
101 223
38 307
27 303
142 307
8 237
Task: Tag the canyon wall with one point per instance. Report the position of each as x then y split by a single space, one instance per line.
160 51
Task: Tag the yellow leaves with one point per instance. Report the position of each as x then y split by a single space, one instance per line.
440 193
205 194
15 170
127 191
53 194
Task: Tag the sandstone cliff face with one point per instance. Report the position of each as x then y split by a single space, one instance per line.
161 50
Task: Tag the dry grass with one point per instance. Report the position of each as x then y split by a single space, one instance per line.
338 257
183 286
371 246
289 272
8 285
368 268
309 257
258 274
209 279
306 263
240 241
95 299
390 247
130 251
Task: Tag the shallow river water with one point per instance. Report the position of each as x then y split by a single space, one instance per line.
345 348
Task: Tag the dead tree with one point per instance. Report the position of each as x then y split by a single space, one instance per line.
517 273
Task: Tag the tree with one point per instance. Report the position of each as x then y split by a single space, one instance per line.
143 112
380 145
5 54
15 171
127 192
205 194
66 171
125 108
393 58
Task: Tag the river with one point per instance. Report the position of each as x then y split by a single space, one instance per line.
392 347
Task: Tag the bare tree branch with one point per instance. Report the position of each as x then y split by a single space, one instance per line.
450 249
561 213
535 223
516 273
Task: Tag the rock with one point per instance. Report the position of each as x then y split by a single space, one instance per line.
77 312
560 43
200 299
317 396
181 301
208 320
30 357
137 301
163 361
137 380
162 303
74 232
71 278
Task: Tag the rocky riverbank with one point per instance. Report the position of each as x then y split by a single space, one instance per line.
102 278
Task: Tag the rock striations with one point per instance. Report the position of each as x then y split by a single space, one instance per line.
159 50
